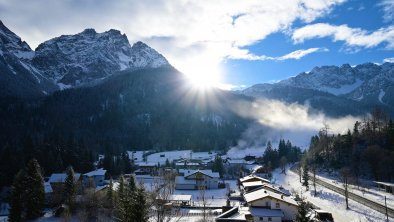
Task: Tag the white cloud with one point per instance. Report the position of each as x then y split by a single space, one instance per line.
301 53
193 35
278 120
353 37
388 10
389 60
298 54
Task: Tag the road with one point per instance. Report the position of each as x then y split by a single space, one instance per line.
362 200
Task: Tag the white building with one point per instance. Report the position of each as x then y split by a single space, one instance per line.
97 176
196 179
270 200
250 214
262 206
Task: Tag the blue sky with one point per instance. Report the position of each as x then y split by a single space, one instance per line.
229 43
366 15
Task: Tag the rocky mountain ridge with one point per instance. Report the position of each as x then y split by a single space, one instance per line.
69 61
365 85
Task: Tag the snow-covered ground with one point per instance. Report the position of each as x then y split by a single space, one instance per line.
329 200
371 193
215 197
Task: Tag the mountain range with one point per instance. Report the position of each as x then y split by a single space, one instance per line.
335 90
68 61
98 88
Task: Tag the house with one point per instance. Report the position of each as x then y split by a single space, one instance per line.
250 214
48 193
196 179
248 186
252 186
180 200
146 168
96 176
261 171
252 178
189 165
4 209
262 198
388 187
56 181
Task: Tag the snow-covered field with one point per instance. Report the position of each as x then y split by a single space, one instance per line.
329 200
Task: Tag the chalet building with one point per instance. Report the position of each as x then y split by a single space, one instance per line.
196 179
252 183
271 201
96 176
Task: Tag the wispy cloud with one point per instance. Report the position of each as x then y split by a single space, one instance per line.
388 10
353 37
191 34
279 120
298 54
389 60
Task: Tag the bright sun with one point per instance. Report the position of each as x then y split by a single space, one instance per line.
205 78
204 81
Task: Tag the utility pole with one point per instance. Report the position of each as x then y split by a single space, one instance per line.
385 204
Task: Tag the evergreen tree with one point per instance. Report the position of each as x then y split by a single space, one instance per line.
139 207
218 165
132 186
121 188
302 212
17 197
35 193
123 205
110 195
70 187
305 176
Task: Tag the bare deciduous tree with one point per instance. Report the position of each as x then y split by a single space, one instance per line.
162 190
346 176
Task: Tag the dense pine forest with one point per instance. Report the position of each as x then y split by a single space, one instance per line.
367 150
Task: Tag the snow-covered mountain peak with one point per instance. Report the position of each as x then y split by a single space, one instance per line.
10 42
145 56
88 56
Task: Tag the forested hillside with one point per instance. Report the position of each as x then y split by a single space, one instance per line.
368 150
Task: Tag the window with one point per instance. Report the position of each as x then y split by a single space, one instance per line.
269 218
277 205
266 204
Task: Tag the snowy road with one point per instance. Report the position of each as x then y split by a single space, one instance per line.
329 200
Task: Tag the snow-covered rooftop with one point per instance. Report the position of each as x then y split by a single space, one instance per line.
206 172
98 172
179 154
262 193
253 177
180 197
61 177
264 212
